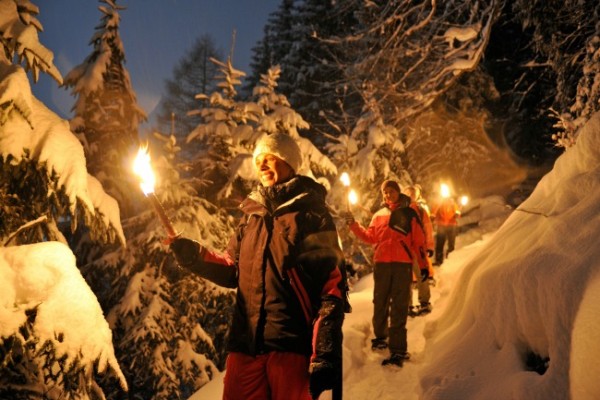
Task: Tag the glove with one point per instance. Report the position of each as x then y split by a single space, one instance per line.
186 251
348 217
424 274
429 253
323 376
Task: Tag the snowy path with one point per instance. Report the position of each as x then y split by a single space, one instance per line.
364 377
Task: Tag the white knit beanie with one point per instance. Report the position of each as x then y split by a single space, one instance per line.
282 146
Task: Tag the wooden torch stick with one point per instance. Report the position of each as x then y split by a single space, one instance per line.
163 217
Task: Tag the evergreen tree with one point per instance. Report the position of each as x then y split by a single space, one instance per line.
107 116
41 190
311 75
279 116
276 42
194 74
223 118
261 61
169 325
231 129
371 153
520 114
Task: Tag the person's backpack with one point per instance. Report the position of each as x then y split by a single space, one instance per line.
401 218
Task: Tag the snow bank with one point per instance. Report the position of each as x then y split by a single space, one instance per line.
44 275
531 291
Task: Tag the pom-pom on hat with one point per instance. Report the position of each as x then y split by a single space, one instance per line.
391 184
282 146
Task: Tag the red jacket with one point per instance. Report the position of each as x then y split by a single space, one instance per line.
447 213
426 221
391 245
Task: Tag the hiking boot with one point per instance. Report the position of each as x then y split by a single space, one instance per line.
396 359
378 344
413 311
425 308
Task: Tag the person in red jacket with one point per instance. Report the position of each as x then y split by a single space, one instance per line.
446 216
423 289
285 261
393 258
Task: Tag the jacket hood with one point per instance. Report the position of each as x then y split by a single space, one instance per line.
403 201
297 188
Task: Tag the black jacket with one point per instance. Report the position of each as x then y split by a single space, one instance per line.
285 262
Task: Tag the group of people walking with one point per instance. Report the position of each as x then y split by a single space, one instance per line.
403 239
286 265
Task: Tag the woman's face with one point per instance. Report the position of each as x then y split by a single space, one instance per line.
272 169
390 195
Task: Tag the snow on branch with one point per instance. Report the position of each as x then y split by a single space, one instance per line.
42 136
411 52
43 291
19 37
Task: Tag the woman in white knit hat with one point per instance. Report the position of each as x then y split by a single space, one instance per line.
285 340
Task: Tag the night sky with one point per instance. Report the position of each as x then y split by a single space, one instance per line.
155 35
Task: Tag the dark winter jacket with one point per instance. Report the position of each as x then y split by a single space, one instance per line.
285 262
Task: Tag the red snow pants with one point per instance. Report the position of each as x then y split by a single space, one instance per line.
271 376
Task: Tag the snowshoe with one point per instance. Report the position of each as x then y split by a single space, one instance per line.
413 311
378 344
396 359
425 308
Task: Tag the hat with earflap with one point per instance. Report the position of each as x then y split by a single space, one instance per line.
391 184
282 146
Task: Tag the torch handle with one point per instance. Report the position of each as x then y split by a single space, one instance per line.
163 216
348 200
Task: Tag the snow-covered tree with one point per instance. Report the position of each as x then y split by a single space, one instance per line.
269 112
565 45
169 325
279 116
370 153
410 52
311 75
223 118
107 115
54 342
276 42
19 32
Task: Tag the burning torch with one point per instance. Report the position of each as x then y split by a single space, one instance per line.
352 198
345 178
143 169
444 191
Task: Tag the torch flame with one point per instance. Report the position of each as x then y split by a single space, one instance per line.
444 190
345 178
352 197
464 200
142 168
